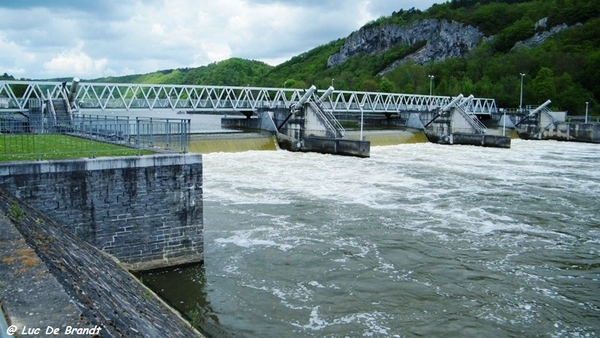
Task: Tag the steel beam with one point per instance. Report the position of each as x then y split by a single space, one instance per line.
15 95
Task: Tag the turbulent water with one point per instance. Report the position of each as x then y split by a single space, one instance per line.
417 240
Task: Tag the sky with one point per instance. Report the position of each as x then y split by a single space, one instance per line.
89 39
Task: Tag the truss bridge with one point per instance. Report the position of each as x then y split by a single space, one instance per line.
19 96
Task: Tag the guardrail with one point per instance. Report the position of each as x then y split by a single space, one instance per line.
34 138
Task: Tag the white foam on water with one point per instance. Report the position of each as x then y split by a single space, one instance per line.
371 321
248 238
510 203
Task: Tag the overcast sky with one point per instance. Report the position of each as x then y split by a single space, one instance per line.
96 38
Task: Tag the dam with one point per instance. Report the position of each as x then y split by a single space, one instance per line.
280 222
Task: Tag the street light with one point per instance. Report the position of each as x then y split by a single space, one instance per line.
361 121
332 81
521 100
431 84
586 111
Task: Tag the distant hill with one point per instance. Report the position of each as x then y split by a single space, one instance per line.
474 47
231 72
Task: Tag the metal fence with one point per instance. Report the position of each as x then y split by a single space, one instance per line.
34 137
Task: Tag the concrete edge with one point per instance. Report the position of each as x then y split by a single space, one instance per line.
151 292
183 321
160 263
93 164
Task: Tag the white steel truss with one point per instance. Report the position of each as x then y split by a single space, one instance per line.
16 95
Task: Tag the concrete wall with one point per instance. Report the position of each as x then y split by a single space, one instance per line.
314 125
453 128
459 124
562 131
146 211
337 146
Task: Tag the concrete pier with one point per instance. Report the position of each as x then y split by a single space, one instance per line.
337 146
145 211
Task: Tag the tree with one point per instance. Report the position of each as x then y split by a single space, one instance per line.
7 77
386 86
542 85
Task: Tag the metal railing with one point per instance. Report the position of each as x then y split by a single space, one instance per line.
15 95
34 138
331 123
477 125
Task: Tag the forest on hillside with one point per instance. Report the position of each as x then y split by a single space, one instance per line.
565 68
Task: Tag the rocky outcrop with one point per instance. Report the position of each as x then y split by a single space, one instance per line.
543 33
444 39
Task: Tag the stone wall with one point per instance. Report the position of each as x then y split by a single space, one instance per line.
145 211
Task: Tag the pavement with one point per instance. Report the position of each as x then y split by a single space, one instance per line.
31 295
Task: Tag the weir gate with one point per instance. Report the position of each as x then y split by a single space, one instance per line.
79 193
444 119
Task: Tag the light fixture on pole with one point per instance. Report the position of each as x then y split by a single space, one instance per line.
521 99
587 104
431 84
503 122
332 81
361 121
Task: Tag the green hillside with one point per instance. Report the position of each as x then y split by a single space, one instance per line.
565 68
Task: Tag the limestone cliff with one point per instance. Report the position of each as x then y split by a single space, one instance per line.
444 39
543 32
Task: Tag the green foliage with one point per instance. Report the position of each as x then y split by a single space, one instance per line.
231 72
6 77
16 212
305 69
401 18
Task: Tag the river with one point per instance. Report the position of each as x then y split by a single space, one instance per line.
417 240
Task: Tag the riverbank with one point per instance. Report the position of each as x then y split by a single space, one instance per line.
52 282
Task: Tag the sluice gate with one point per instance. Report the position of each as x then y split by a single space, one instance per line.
306 126
542 123
453 125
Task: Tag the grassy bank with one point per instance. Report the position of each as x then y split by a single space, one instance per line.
24 147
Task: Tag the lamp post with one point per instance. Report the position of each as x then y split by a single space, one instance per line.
332 81
521 99
361 121
431 84
503 122
587 104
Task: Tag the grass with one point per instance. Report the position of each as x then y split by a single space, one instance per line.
24 147
26 257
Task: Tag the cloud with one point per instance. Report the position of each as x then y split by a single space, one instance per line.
75 61
89 39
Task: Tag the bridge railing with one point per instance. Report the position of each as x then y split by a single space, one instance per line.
90 136
15 95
